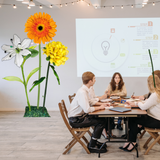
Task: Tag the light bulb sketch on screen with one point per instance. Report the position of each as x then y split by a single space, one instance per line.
105 47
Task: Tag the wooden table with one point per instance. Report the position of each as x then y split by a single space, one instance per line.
108 113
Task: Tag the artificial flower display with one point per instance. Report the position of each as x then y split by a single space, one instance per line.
56 55
57 52
21 52
18 50
40 28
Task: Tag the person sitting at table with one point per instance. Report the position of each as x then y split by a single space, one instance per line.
144 97
117 87
94 100
78 113
151 120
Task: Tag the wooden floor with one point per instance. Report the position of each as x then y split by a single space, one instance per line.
45 139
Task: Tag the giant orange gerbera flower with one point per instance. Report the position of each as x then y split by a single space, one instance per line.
40 27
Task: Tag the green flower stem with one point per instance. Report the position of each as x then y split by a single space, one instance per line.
25 85
152 68
39 76
44 100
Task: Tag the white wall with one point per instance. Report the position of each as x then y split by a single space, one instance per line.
12 21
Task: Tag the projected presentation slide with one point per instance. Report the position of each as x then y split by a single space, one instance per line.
105 46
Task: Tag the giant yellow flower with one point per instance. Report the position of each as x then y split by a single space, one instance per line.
40 27
57 53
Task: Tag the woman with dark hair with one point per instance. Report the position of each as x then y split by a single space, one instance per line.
117 86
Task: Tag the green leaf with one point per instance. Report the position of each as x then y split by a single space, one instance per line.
37 82
55 73
26 57
31 73
48 58
34 52
13 78
152 67
32 47
44 47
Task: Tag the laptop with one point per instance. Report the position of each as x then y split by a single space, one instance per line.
120 109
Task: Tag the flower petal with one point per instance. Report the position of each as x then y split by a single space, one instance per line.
18 60
9 56
25 52
16 40
7 48
26 43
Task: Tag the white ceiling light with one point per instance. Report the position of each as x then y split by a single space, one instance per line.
40 6
14 6
29 7
31 3
25 1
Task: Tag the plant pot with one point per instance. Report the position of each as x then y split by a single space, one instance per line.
41 112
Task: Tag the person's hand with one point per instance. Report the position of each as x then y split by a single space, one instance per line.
133 97
141 97
132 104
104 96
102 106
107 104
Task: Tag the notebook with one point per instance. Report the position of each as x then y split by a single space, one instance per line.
120 109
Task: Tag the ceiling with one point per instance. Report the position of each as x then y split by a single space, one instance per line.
56 3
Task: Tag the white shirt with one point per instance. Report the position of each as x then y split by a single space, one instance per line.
80 103
93 99
152 106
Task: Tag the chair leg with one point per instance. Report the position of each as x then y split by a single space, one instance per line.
85 139
70 146
149 139
142 134
70 143
82 144
156 135
89 133
78 133
155 141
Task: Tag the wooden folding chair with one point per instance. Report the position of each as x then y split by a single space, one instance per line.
154 134
77 133
71 97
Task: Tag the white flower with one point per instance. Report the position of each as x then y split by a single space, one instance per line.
18 49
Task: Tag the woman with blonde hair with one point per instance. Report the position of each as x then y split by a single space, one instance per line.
151 120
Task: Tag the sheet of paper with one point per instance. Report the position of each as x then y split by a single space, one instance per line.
109 107
106 100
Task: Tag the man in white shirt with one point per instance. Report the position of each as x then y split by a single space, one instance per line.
79 109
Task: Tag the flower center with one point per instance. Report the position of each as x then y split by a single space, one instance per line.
40 27
18 50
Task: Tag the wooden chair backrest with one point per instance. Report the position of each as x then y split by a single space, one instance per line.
62 108
71 97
